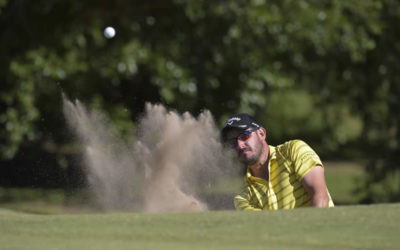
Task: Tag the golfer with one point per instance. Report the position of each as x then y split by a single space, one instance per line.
287 176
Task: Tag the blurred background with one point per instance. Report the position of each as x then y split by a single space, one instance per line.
326 72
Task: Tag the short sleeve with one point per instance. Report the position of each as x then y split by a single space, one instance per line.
242 202
303 157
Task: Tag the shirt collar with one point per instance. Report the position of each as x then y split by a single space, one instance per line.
272 153
272 156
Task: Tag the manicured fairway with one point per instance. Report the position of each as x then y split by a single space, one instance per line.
346 227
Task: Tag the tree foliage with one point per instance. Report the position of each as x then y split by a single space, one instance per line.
324 70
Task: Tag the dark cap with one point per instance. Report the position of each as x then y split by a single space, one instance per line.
239 121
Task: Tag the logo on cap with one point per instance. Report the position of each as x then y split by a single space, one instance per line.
233 119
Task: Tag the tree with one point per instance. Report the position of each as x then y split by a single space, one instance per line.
324 70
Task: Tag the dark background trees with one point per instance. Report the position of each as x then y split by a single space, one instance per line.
324 71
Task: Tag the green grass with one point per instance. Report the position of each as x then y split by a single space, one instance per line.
44 201
345 227
342 179
46 219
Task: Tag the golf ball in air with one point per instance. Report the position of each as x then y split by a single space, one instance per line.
109 32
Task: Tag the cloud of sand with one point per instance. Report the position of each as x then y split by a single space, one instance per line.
165 167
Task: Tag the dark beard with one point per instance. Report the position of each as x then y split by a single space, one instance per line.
258 151
249 161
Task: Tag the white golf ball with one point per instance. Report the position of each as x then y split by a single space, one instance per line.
109 32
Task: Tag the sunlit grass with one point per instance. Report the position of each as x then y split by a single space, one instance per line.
346 227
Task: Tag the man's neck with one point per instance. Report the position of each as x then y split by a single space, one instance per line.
260 168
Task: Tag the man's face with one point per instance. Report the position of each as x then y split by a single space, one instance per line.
249 148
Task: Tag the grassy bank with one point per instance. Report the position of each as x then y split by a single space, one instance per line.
346 227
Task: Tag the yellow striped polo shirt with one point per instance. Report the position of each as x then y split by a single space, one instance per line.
288 164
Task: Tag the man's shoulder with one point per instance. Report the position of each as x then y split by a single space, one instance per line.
296 149
293 147
291 144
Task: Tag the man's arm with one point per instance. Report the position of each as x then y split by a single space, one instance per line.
314 183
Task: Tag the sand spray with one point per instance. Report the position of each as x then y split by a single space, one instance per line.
167 164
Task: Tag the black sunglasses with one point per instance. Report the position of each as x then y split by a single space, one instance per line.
233 142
